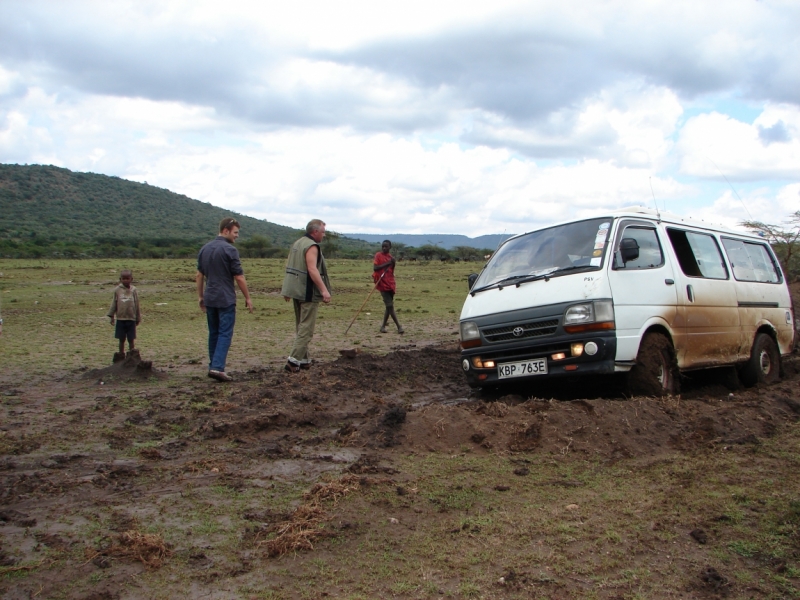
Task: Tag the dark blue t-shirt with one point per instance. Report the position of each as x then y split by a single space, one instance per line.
219 261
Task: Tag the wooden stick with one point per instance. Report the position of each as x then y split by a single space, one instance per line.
365 301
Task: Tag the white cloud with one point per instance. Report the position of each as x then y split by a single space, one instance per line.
455 116
731 209
714 144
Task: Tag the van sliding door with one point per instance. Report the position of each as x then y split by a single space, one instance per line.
707 301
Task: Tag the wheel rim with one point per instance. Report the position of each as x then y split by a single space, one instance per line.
764 362
663 374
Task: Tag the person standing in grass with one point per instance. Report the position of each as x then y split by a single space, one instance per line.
219 266
305 284
383 274
126 312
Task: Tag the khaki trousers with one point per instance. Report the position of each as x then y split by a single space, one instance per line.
305 318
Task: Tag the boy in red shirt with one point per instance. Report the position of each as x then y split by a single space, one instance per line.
383 274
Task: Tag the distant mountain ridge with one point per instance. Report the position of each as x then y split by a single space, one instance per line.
446 241
60 203
48 211
52 211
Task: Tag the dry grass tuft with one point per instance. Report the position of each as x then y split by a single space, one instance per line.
333 490
298 533
306 523
148 548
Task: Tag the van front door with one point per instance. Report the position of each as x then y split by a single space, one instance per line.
707 303
642 287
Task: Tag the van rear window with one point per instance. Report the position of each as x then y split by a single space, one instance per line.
750 261
698 254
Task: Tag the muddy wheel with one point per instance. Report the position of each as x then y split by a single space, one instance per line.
656 370
764 365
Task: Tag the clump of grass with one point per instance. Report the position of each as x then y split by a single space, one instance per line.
306 523
148 548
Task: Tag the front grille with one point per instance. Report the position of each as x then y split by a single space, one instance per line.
529 330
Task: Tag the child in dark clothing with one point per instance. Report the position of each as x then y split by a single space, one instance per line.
125 307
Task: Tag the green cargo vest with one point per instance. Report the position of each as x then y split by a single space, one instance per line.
296 283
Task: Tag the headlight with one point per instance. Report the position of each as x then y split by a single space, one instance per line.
580 313
469 331
589 316
470 334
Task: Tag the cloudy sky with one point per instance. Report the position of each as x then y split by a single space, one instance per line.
416 116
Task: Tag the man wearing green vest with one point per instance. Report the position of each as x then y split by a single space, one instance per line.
305 284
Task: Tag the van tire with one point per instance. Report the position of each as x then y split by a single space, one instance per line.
764 365
656 369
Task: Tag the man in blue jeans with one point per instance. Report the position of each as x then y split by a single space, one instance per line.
218 264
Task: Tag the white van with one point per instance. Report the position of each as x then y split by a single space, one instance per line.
637 292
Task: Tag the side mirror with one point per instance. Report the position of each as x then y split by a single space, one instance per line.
628 249
471 279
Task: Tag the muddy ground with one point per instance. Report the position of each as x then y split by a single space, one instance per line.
84 456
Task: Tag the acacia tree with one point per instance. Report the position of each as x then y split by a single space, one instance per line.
785 239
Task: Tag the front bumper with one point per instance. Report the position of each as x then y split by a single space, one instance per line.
600 363
536 332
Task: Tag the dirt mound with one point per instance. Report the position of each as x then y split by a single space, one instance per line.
133 367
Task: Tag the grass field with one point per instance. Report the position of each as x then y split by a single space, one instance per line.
54 312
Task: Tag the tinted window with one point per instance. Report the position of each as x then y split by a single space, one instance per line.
750 261
650 255
698 254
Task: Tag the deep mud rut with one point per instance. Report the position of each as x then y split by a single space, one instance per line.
82 461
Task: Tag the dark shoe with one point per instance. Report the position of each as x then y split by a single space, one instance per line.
134 354
219 375
382 329
400 329
305 366
119 357
291 368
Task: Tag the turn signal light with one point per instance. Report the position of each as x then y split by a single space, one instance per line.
558 356
589 327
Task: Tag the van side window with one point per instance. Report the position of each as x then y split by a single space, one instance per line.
750 261
698 254
650 254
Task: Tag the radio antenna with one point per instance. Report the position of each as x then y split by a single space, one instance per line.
502 240
650 179
732 188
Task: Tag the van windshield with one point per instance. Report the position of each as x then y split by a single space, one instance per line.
580 245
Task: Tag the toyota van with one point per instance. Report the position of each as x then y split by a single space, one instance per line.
637 292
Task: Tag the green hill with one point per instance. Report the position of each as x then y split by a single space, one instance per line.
48 211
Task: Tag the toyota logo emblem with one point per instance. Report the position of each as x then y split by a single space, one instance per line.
518 331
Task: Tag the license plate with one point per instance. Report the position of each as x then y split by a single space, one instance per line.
522 369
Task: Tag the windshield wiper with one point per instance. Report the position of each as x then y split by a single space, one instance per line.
518 280
572 268
508 280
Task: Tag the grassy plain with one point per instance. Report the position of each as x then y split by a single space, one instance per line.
54 312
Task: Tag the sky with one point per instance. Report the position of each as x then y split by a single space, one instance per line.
416 117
